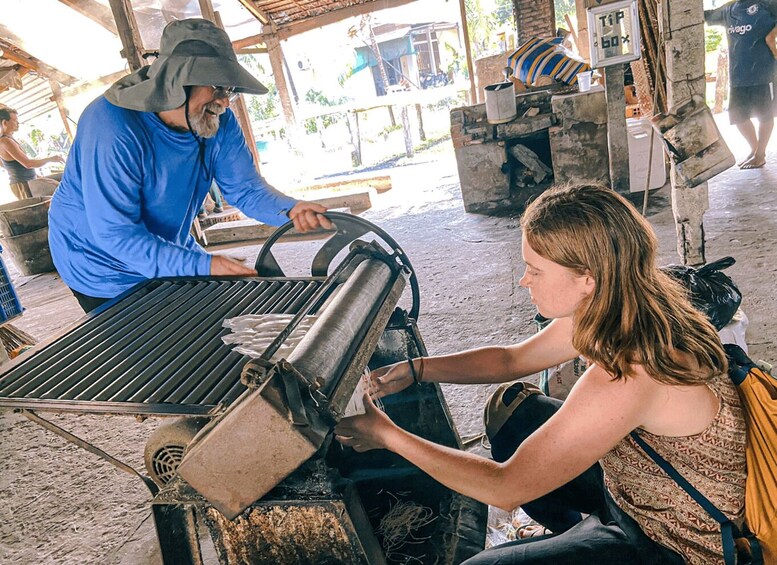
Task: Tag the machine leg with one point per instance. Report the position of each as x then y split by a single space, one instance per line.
176 528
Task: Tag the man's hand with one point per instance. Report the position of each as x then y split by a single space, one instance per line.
369 431
221 266
307 216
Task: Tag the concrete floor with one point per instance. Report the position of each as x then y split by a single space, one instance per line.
65 506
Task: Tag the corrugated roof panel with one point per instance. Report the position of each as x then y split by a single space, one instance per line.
32 101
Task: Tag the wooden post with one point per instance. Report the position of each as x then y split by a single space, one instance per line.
582 30
238 106
241 113
617 134
128 33
473 93
421 132
56 92
276 62
406 131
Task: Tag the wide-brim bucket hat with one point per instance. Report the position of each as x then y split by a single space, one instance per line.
192 52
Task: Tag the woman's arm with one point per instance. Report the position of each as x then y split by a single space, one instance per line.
595 417
15 151
547 348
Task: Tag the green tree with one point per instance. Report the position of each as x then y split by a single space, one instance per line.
712 38
264 107
564 8
483 20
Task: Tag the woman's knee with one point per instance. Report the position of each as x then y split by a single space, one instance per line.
513 413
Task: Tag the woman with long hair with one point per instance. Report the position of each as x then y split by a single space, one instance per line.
656 367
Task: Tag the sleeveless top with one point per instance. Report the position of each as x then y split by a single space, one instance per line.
713 461
16 171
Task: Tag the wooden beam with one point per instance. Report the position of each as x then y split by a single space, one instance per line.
276 62
95 12
260 15
9 43
300 26
473 92
248 41
56 93
239 106
128 33
206 9
252 51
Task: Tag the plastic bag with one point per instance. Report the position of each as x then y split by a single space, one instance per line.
712 292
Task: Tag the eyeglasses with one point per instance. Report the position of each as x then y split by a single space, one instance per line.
227 92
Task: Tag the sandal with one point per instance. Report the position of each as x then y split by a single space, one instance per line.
531 530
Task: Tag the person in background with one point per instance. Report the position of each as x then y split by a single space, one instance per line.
657 372
751 32
143 160
20 167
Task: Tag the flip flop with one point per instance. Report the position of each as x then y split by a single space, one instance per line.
531 530
753 163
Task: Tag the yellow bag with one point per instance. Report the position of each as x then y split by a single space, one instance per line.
758 391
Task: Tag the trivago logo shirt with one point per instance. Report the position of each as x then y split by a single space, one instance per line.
747 23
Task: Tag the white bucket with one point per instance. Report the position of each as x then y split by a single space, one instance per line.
500 103
584 81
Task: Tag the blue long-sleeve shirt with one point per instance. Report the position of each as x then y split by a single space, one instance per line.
124 209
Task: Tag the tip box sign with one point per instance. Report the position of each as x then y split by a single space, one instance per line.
613 33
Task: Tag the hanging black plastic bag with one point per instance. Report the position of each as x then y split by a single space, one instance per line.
712 291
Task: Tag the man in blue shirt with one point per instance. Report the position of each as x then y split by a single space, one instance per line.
751 34
141 165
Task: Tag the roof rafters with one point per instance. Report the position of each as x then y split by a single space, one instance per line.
94 11
10 45
260 15
284 31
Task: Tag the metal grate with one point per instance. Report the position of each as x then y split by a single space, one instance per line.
156 351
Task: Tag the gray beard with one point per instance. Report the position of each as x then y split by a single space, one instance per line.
205 124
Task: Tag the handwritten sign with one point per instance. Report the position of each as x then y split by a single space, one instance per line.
613 33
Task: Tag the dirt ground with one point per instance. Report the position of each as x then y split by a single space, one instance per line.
63 505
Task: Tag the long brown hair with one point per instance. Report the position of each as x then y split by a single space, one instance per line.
636 315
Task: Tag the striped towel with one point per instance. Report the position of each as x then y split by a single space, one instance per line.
538 57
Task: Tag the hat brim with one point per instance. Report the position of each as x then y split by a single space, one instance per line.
160 87
218 72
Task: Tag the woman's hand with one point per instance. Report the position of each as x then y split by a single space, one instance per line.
390 379
371 430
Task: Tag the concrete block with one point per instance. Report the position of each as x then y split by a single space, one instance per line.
588 106
681 15
480 174
685 53
688 206
683 90
524 126
579 143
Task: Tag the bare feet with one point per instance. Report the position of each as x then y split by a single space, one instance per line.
746 159
755 162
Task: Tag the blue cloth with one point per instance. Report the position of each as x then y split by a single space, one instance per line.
747 23
545 57
123 211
